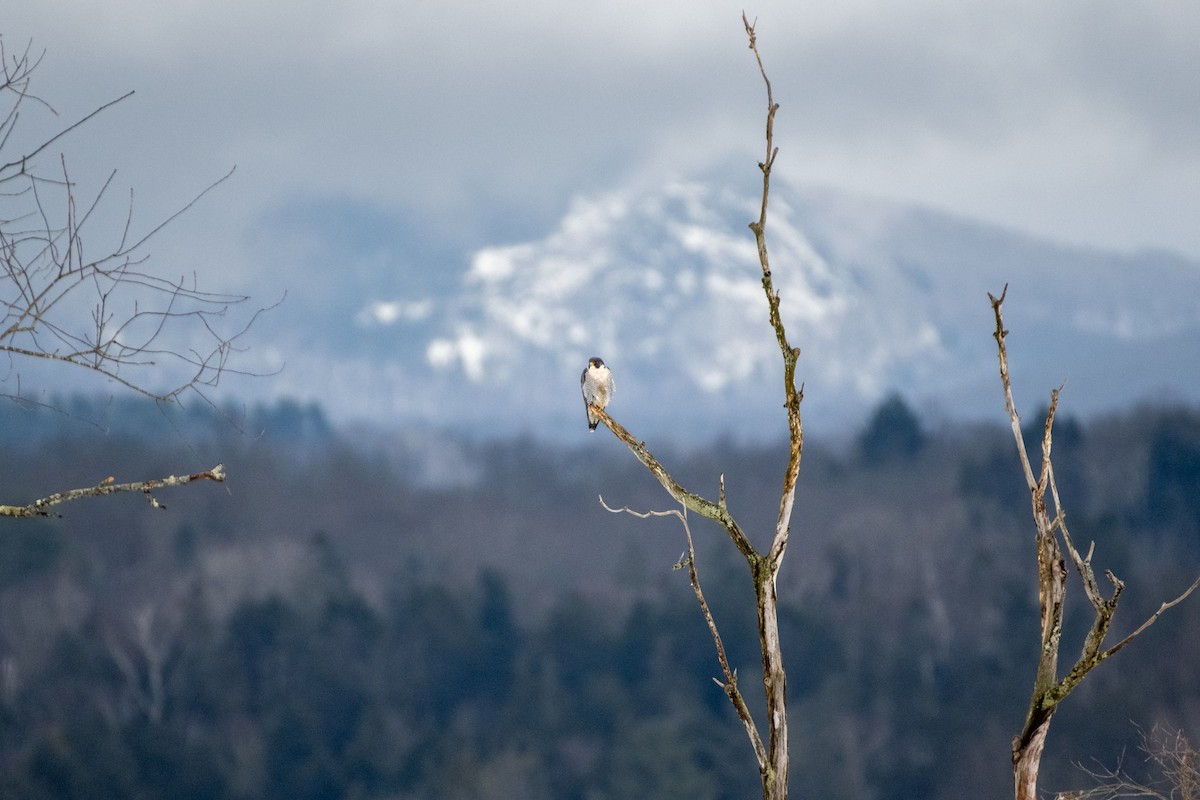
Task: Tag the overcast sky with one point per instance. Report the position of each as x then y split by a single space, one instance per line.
384 142
1080 120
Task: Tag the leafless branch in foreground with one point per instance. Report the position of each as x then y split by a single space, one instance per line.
729 684
773 758
65 298
1048 689
41 508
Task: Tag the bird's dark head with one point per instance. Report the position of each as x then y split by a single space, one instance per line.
595 362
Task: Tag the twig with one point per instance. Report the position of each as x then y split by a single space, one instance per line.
24 160
1014 419
1153 617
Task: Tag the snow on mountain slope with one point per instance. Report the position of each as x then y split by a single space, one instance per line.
665 286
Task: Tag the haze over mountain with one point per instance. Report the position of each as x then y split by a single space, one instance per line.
436 205
664 284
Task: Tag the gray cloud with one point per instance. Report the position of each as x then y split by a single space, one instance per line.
379 145
1076 119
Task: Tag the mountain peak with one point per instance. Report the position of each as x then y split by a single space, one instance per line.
665 285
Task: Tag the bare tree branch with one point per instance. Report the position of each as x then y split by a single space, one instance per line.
729 685
1151 620
773 759
65 299
1048 689
25 159
40 508
766 571
717 512
792 396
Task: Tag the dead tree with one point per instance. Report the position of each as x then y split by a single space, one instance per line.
65 299
1050 524
772 755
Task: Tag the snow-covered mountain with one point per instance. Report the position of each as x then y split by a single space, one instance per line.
664 284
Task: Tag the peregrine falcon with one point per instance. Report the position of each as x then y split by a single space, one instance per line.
597 383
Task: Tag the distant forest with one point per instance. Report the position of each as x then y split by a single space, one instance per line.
367 614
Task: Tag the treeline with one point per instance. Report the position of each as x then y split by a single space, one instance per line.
359 615
440 694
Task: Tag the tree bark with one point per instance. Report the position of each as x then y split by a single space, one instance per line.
1027 759
775 780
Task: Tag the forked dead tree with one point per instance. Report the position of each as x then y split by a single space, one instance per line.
66 300
764 567
1050 523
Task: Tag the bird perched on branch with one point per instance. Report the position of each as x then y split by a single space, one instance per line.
597 383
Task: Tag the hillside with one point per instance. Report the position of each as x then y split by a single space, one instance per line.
431 616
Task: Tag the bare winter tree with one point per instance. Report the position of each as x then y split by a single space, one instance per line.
1050 522
772 755
66 300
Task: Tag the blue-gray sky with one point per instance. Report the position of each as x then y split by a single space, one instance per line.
1079 119
465 124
